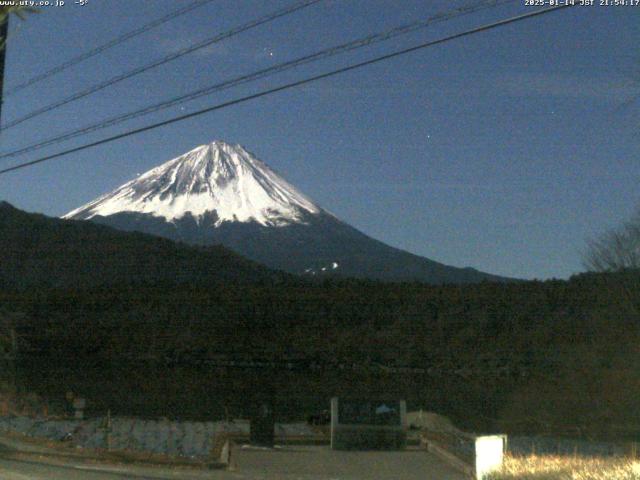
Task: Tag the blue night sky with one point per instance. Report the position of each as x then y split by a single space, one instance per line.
504 150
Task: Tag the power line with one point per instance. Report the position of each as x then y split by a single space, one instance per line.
288 86
320 55
110 44
180 53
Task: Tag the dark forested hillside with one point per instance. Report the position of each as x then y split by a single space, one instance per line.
535 356
40 251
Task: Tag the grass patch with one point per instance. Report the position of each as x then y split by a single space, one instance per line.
558 467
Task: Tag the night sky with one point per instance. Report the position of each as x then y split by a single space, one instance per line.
505 150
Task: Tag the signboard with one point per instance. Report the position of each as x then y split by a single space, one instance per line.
368 424
367 412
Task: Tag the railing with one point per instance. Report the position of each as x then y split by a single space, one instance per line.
456 449
555 445
223 452
474 455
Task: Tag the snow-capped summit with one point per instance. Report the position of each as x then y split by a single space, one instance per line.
217 177
220 194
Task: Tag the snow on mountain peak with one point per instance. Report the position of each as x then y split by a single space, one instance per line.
216 177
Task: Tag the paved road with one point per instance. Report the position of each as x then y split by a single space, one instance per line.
291 463
322 463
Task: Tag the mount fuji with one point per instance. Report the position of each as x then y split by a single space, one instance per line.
220 193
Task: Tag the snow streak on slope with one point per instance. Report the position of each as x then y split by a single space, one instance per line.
218 177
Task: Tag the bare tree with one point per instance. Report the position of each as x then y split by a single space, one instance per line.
615 250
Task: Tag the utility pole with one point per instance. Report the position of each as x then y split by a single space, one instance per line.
4 30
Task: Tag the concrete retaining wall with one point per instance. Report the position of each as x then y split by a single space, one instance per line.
187 439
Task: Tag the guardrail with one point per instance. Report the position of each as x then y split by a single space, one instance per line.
474 455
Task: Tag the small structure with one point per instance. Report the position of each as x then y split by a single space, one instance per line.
489 450
368 424
262 425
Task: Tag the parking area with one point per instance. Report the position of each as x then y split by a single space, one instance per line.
322 463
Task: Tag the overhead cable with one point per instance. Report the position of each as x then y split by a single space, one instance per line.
263 73
168 58
288 86
110 44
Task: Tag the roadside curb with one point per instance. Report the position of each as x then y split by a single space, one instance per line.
18 447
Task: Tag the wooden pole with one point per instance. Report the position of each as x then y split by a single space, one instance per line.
109 429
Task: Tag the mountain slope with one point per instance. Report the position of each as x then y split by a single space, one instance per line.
40 251
222 194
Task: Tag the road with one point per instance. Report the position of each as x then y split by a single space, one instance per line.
322 463
30 466
299 463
